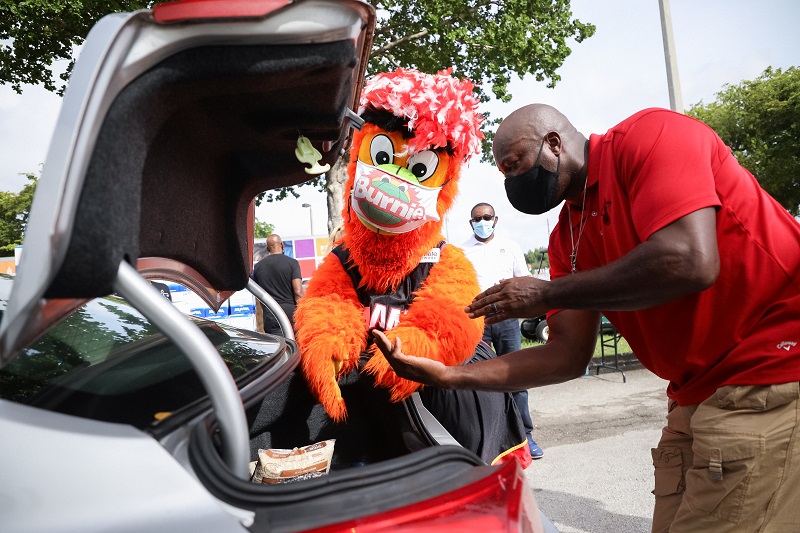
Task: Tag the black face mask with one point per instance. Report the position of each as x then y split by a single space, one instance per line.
534 191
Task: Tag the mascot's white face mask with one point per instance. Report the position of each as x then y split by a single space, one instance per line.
388 202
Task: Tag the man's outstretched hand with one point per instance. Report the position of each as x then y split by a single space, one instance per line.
419 369
519 297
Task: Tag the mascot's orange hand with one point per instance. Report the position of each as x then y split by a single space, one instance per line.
330 334
329 351
322 370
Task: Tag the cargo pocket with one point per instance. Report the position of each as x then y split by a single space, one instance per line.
668 463
723 468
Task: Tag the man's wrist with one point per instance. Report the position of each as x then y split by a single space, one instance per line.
546 293
557 293
448 377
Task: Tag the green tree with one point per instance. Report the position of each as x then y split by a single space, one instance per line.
14 209
537 258
760 121
35 34
262 230
487 41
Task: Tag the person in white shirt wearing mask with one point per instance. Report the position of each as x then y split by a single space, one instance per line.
496 258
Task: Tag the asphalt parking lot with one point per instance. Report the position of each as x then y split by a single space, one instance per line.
596 432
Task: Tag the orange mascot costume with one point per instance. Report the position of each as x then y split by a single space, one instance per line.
403 176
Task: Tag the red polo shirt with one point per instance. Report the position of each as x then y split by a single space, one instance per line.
650 170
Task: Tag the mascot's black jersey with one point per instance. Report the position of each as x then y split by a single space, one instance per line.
382 311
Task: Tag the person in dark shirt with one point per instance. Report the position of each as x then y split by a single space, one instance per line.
279 275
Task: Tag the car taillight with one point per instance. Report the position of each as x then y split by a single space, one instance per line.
502 501
214 9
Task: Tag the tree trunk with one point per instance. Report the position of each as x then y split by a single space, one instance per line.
336 180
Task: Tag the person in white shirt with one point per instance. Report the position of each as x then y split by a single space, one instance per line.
496 258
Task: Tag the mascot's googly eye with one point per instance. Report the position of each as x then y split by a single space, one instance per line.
423 164
381 150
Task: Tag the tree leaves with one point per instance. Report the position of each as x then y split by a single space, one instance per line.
14 210
760 121
35 34
489 42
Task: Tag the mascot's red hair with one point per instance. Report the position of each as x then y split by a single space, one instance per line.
391 270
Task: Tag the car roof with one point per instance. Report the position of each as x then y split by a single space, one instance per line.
169 127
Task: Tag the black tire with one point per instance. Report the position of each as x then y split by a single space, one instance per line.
528 328
542 331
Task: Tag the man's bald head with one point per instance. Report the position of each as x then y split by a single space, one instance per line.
529 125
520 136
274 244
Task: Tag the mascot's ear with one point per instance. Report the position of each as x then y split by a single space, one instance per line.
361 136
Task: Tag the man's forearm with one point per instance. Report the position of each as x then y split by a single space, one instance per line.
644 278
524 369
297 288
679 259
573 336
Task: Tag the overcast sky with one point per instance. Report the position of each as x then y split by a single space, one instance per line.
608 77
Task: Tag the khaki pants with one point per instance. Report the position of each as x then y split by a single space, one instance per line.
731 463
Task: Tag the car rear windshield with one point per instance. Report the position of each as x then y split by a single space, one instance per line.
105 361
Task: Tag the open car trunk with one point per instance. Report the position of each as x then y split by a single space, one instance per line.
173 121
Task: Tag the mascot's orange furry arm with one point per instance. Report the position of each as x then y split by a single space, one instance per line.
391 270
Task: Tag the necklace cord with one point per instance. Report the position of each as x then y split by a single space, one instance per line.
573 257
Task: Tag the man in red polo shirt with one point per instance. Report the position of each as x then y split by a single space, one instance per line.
699 269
